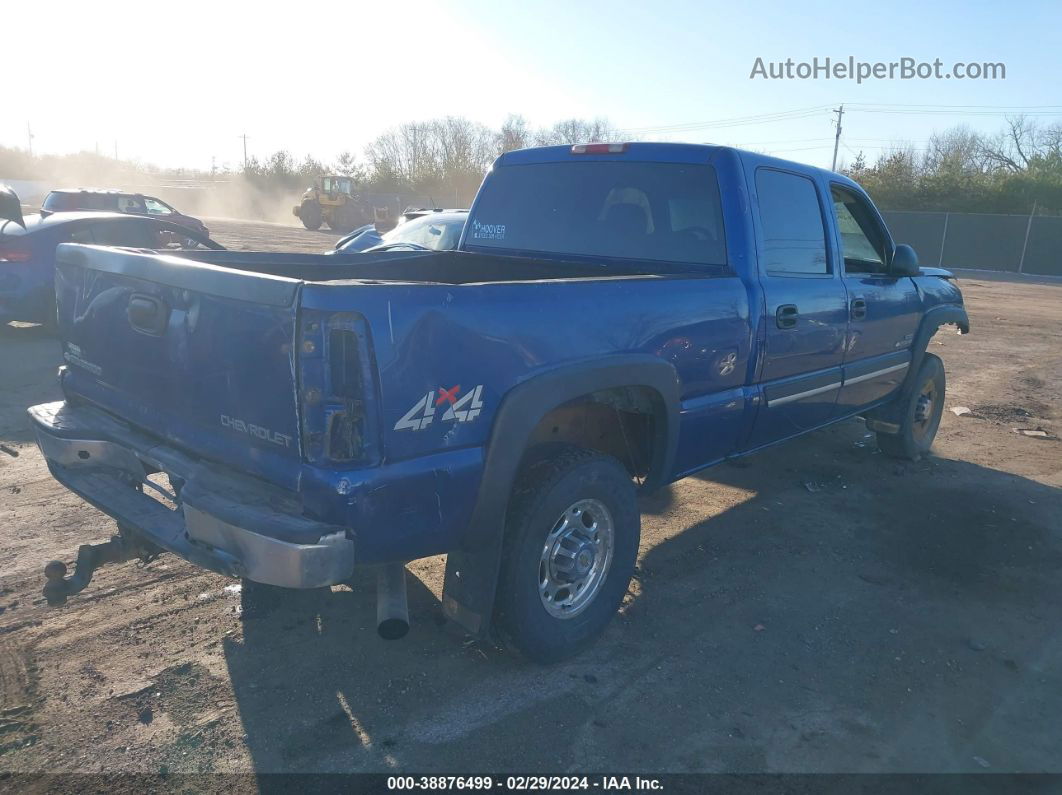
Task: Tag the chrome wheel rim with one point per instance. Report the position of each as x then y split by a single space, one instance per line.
576 557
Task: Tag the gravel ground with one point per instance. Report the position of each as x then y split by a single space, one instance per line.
815 608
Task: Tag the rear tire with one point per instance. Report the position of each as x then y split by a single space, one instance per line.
344 219
310 215
921 414
571 540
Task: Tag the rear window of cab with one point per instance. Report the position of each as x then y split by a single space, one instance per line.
664 212
66 202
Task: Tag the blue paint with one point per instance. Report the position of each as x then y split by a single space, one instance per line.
409 493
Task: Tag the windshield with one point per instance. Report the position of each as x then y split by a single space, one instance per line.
431 231
669 212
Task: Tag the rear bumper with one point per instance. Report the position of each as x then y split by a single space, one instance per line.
223 522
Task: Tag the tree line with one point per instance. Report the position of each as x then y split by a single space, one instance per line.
444 160
1012 171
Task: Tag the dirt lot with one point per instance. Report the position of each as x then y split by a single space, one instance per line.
814 608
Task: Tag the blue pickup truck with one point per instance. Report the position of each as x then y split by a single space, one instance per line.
617 316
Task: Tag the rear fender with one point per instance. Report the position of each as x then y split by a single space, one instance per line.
472 571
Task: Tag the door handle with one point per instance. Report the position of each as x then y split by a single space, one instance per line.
147 314
859 308
786 316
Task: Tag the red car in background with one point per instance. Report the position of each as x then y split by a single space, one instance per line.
116 201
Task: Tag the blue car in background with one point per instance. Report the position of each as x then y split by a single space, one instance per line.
27 250
435 230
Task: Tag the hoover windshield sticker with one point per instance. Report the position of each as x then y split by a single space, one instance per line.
487 231
457 409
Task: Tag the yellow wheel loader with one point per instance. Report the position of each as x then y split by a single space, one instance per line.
332 200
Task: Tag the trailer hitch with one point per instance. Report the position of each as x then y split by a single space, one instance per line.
89 558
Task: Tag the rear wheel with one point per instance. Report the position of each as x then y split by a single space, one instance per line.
343 220
921 414
310 215
571 541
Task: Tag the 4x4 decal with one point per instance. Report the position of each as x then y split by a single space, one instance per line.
458 409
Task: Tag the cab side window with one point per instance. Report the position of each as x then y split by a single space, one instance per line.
794 235
155 207
862 241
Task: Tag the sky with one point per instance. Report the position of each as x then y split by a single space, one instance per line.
177 84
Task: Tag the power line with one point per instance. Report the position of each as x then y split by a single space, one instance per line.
934 105
759 118
860 107
951 112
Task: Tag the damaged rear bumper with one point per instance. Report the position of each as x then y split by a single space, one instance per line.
220 521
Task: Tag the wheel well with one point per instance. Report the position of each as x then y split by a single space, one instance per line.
624 422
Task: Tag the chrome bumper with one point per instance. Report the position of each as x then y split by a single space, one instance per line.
103 460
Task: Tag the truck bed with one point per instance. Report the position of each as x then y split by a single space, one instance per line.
439 267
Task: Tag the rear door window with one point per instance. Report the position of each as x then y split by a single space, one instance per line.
131 204
794 233
665 212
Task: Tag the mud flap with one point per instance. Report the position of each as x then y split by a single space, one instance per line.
470 585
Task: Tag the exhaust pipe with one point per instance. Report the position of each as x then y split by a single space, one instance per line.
392 612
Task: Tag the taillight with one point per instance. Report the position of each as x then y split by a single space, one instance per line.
337 392
344 414
598 149
14 252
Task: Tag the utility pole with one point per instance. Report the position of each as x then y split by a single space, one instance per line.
115 148
29 138
837 138
244 137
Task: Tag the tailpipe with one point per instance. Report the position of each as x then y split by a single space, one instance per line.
392 611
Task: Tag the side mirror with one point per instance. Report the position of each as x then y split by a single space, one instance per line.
10 206
904 261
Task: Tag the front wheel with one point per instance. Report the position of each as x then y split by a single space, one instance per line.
921 414
310 215
572 536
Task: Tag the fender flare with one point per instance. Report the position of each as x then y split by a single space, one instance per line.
472 571
936 317
884 417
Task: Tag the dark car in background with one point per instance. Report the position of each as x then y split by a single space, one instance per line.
116 201
437 230
27 253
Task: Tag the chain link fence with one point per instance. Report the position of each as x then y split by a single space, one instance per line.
1014 243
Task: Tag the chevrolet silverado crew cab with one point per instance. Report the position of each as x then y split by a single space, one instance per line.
616 317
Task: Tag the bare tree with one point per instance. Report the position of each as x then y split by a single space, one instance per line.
577 131
1015 147
514 134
